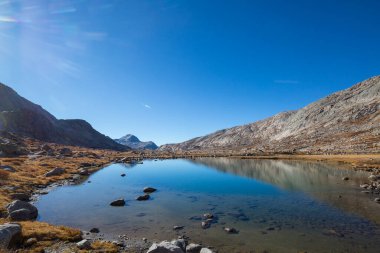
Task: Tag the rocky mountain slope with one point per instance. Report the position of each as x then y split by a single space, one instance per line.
24 118
347 121
134 142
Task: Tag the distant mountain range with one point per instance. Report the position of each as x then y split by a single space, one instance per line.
347 121
134 142
22 117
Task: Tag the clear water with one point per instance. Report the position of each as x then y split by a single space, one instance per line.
277 206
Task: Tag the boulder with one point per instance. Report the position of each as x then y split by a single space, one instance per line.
21 196
94 230
12 149
180 243
84 244
374 177
21 210
21 215
206 250
76 177
55 172
164 247
193 248
143 197
83 172
364 186
10 233
118 202
149 189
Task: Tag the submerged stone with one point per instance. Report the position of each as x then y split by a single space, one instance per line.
118 202
143 197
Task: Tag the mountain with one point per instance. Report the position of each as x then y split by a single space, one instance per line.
134 142
347 121
22 117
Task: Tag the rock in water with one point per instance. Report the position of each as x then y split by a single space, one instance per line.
231 230
164 247
206 224
9 234
143 197
55 172
21 210
118 202
149 189
208 216
94 230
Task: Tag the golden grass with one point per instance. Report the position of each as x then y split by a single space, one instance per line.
103 246
46 235
46 232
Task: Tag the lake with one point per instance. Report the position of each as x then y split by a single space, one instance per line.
276 205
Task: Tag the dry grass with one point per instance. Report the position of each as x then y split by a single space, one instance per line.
102 246
4 175
47 234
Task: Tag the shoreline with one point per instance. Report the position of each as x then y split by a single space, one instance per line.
101 159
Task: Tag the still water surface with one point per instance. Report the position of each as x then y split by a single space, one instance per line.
277 206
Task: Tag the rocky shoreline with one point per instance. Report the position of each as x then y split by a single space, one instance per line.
54 166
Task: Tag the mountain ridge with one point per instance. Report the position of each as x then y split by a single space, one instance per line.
132 141
345 121
23 117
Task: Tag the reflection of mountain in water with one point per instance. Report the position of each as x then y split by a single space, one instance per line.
290 175
320 180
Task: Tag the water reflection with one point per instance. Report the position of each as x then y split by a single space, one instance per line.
277 206
320 180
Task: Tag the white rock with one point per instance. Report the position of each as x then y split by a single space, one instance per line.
164 247
84 244
193 248
206 250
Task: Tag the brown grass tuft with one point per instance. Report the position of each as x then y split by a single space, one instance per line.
46 232
102 246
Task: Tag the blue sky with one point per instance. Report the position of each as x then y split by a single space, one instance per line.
168 71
